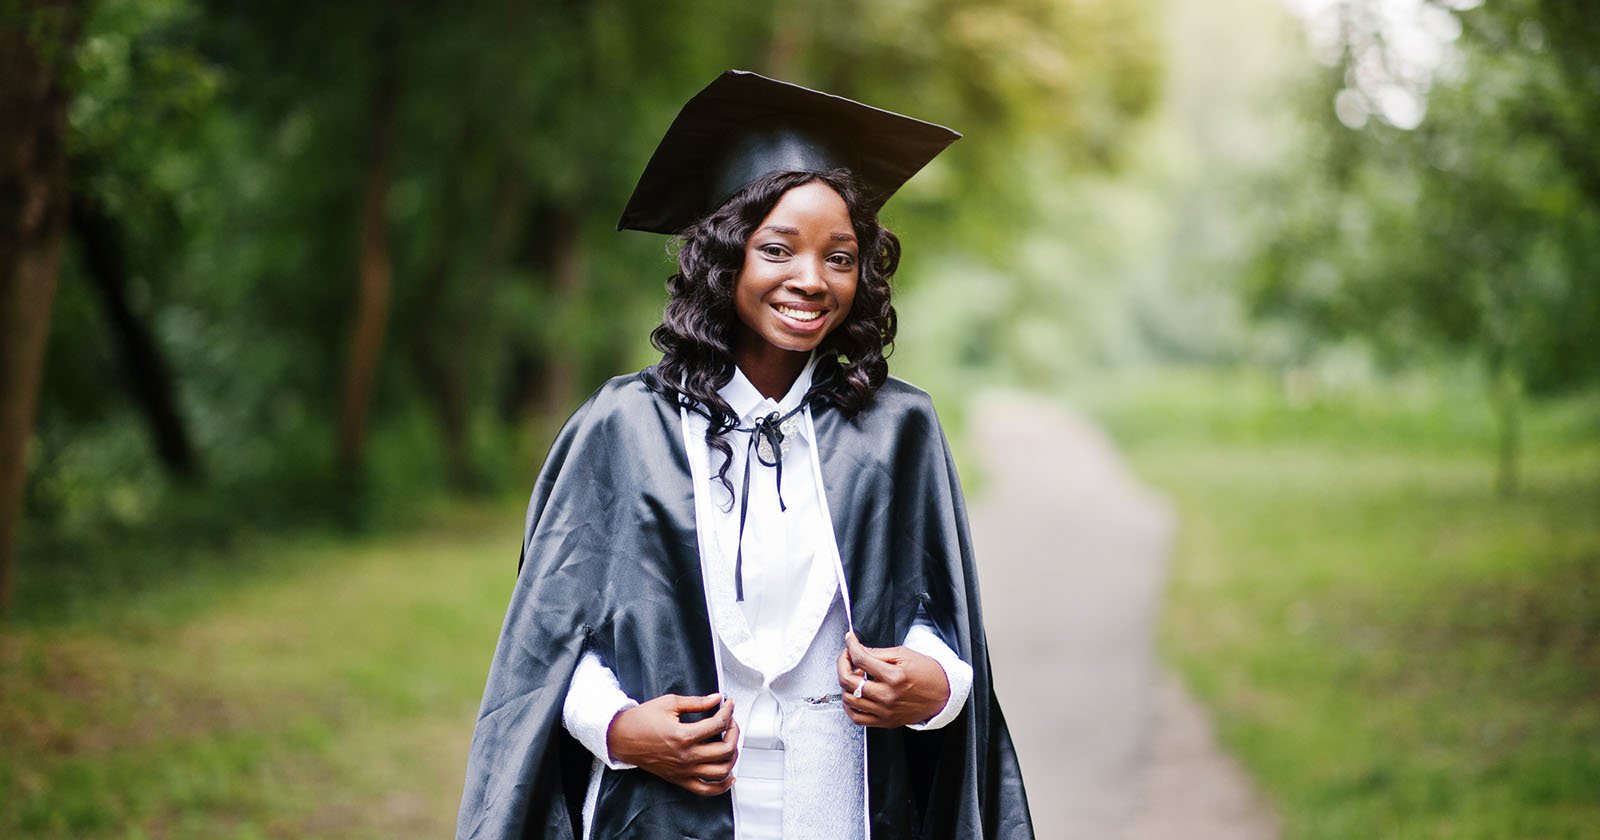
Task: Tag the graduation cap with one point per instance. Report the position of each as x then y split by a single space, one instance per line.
744 126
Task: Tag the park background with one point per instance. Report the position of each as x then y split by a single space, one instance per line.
296 294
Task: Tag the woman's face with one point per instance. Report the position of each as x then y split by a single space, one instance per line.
799 274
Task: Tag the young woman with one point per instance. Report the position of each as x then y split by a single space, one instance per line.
747 605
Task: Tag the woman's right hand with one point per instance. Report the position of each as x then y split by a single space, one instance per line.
697 757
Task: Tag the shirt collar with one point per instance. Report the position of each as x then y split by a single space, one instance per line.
747 402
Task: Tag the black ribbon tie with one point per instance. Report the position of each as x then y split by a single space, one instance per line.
764 427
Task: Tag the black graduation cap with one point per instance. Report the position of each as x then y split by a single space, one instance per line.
744 126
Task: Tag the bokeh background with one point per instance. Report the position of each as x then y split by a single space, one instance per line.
296 294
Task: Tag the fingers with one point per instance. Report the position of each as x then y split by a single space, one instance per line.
682 703
863 717
879 664
720 748
874 696
716 763
711 771
867 659
868 709
869 680
907 687
702 787
857 688
714 774
890 692
697 756
849 675
706 780
711 727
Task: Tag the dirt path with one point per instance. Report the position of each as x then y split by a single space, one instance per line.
1073 552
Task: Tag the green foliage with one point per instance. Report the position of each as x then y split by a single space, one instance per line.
1390 649
1136 258
230 143
1472 231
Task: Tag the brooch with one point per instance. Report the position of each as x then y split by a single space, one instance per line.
785 430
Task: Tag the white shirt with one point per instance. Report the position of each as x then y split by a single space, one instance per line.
780 542
783 552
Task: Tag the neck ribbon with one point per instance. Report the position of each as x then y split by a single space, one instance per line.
762 428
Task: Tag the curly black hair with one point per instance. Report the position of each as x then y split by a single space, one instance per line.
697 331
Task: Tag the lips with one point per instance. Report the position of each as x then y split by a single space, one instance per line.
804 316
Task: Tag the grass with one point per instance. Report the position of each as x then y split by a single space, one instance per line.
1390 648
328 690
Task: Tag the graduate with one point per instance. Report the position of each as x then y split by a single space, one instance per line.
747 605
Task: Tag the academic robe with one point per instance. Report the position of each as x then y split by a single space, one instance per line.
610 561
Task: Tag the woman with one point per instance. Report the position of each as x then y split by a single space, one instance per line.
703 643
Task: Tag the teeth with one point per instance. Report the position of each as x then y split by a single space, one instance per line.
799 315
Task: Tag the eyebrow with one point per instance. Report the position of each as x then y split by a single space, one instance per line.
789 231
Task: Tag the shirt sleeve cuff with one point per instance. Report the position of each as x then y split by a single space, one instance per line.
593 700
925 641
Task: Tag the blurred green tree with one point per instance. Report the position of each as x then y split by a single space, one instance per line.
302 226
1456 207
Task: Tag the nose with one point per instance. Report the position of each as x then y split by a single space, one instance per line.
807 277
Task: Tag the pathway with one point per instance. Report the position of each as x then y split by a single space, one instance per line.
1072 554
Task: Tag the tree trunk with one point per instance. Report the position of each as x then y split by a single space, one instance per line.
374 272
441 380
790 40
566 280
1505 395
544 372
436 337
451 303
149 377
33 221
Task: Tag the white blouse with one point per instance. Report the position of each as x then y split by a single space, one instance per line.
787 551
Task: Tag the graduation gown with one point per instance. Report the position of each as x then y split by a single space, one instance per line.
610 561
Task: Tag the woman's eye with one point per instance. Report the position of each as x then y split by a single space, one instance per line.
772 250
843 259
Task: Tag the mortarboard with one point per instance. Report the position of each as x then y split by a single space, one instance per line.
743 126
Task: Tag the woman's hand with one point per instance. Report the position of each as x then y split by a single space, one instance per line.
902 686
697 757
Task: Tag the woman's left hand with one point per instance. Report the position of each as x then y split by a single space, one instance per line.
901 685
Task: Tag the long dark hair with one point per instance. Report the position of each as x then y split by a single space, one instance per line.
697 331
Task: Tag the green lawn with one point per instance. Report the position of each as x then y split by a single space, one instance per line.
327 691
1391 649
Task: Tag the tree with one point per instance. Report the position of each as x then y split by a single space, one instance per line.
374 273
1453 205
100 237
35 39
335 219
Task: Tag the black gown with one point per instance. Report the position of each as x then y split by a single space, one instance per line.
611 560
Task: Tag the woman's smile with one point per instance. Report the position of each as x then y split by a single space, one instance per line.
798 280
797 313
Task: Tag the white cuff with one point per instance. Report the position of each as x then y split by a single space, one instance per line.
593 700
924 640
